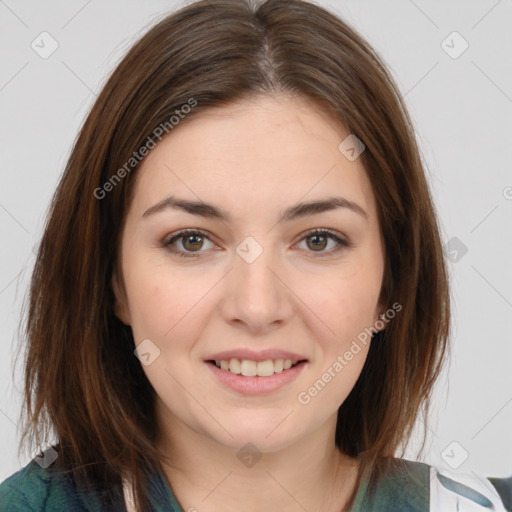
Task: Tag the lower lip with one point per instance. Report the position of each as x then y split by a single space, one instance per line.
257 385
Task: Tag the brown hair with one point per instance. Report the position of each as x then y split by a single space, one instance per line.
82 380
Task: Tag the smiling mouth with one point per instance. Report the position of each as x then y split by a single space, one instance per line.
248 368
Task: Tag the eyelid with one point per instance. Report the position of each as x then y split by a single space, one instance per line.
167 242
341 240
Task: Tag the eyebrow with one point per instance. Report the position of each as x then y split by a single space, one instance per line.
293 212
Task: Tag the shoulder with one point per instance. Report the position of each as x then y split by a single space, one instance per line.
396 484
25 490
36 489
453 490
417 486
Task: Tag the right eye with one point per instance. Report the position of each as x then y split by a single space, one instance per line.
192 238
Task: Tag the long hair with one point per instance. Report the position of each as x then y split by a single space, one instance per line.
83 384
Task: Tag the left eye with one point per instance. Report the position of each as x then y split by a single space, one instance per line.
194 239
320 238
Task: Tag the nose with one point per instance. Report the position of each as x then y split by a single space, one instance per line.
258 296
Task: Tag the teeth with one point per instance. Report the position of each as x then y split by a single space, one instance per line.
249 368
234 366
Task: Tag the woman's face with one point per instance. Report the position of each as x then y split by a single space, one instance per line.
254 286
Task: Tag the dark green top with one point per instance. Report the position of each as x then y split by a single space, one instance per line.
404 487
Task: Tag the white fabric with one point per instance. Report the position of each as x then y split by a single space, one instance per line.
128 496
446 500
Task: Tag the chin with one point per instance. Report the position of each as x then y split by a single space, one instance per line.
264 436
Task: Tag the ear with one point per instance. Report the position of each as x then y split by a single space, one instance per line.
120 306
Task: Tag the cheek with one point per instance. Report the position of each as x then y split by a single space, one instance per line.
342 306
165 303
333 382
166 308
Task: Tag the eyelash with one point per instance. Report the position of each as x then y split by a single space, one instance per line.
342 244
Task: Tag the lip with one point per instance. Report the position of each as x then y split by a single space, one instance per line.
262 355
256 385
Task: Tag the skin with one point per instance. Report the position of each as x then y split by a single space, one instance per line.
254 159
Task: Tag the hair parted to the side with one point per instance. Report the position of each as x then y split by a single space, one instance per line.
83 384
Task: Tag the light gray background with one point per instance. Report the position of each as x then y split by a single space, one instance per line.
462 109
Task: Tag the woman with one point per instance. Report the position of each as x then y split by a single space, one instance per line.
240 299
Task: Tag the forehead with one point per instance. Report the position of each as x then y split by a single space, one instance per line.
253 153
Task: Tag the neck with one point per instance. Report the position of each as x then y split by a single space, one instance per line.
208 476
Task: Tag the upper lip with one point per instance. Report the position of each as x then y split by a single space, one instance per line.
251 355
